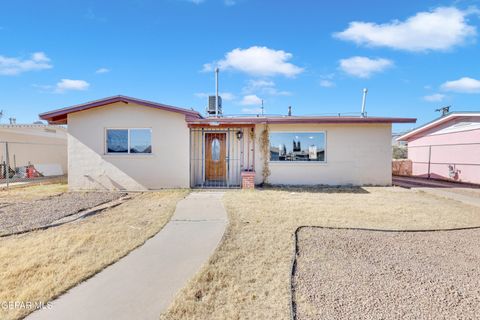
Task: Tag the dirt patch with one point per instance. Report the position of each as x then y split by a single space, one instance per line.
33 214
357 274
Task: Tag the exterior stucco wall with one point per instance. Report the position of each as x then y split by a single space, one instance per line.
34 146
435 154
91 168
356 154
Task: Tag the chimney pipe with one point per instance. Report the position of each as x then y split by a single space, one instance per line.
216 91
364 101
289 111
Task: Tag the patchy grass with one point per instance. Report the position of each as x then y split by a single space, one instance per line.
248 276
33 192
41 265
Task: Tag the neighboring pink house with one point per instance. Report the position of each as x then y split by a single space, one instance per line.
447 148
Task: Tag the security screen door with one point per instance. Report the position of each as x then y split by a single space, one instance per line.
215 153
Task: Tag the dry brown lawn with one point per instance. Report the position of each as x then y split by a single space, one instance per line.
40 265
25 193
248 277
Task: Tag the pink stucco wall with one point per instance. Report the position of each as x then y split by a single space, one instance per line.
458 149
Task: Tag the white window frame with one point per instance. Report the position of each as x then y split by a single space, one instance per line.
128 142
299 162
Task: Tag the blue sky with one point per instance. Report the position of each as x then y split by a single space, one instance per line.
413 56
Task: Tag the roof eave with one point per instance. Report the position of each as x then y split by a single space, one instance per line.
59 116
299 120
434 123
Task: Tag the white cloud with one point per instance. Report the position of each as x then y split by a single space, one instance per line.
14 66
252 110
327 83
226 96
196 1
436 97
229 3
69 84
364 67
265 87
440 29
463 85
257 61
251 100
102 70
207 67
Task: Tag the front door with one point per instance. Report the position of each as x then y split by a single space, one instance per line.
215 154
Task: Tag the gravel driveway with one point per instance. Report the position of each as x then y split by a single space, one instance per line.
28 215
355 274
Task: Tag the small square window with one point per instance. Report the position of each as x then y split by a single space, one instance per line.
140 141
117 140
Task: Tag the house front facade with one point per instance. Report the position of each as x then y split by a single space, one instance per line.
124 143
447 148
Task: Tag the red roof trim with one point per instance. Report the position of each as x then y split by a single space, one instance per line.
295 119
59 116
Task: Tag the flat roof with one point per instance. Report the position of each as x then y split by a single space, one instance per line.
212 121
193 117
436 122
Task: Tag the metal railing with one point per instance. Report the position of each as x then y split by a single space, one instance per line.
457 162
219 155
23 162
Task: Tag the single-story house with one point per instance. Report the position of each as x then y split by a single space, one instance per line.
446 148
39 145
131 144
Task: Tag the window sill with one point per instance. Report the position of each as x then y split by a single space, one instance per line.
302 163
129 155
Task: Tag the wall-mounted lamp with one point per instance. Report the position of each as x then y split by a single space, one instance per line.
239 134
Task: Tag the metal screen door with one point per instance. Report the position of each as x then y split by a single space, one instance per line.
215 158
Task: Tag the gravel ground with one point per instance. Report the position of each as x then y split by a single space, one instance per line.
28 215
356 274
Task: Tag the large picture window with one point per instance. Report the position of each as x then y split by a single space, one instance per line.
297 146
129 141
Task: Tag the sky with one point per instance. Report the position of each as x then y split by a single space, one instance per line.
316 56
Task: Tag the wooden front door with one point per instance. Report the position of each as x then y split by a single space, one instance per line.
215 154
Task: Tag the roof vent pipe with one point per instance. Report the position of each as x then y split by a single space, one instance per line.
364 102
216 91
289 111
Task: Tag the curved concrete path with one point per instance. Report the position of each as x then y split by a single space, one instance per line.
143 284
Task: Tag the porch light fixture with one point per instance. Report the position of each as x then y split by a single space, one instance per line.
239 134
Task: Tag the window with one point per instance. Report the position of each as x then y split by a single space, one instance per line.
216 149
129 141
297 146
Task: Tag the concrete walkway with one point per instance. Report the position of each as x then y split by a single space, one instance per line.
466 193
143 284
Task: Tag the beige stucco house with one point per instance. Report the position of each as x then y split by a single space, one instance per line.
131 144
